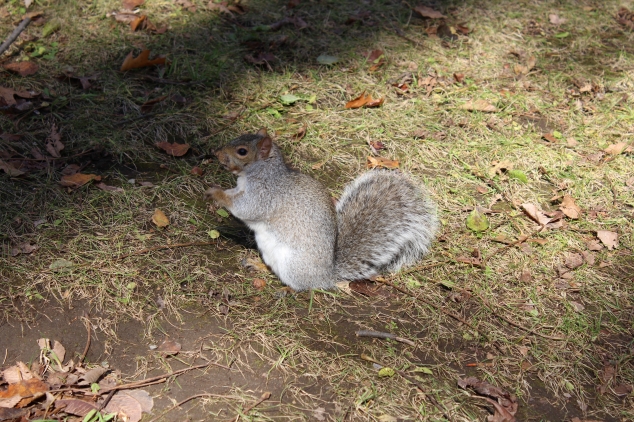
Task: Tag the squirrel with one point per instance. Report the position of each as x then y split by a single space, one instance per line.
381 223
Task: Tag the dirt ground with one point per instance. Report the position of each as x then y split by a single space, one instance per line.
520 114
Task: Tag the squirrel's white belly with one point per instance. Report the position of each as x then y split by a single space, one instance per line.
275 254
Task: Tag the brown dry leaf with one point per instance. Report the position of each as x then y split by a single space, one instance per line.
139 23
463 29
175 149
622 389
570 208
376 146
22 68
499 167
300 133
556 20
160 219
259 283
147 106
169 347
132 4
550 138
142 60
24 392
84 81
428 12
625 17
17 373
92 376
616 149
187 5
608 238
572 142
125 407
588 257
594 245
458 77
123 17
360 101
10 170
8 95
24 248
578 307
505 403
197 171
375 103
479 105
78 179
533 212
374 162
54 144
107 188
75 406
574 260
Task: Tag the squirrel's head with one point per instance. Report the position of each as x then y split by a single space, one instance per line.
244 150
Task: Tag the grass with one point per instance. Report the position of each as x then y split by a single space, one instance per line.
279 337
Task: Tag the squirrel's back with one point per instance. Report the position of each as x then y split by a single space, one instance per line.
384 222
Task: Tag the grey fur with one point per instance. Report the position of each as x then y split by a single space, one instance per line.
382 222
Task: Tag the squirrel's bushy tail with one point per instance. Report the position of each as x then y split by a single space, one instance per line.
384 222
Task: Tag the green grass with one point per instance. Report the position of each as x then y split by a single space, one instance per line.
207 67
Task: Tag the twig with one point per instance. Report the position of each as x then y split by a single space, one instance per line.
265 396
515 324
420 387
83 355
142 383
106 401
16 32
183 402
378 334
417 268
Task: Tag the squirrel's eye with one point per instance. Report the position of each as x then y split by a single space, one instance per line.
242 151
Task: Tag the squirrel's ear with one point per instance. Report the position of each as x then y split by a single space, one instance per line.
262 132
264 148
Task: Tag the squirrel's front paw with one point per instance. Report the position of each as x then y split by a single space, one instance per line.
212 193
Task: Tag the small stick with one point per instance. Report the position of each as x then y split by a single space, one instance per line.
265 396
520 240
16 32
378 334
83 355
183 402
106 401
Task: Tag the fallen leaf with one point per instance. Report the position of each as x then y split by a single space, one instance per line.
10 170
187 5
505 403
533 212
260 58
463 29
132 4
578 307
326 59
139 23
374 162
477 220
616 149
550 137
175 149
375 103
220 7
556 20
479 105
169 347
107 188
78 179
196 171
147 106
428 12
376 146
300 133
622 389
259 283
360 101
572 142
123 17
574 260
458 77
71 169
54 144
588 257
499 167
24 248
92 376
9 94
570 208
142 60
75 406
608 238
84 81
24 391
22 68
160 219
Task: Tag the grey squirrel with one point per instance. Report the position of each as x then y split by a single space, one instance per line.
382 222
